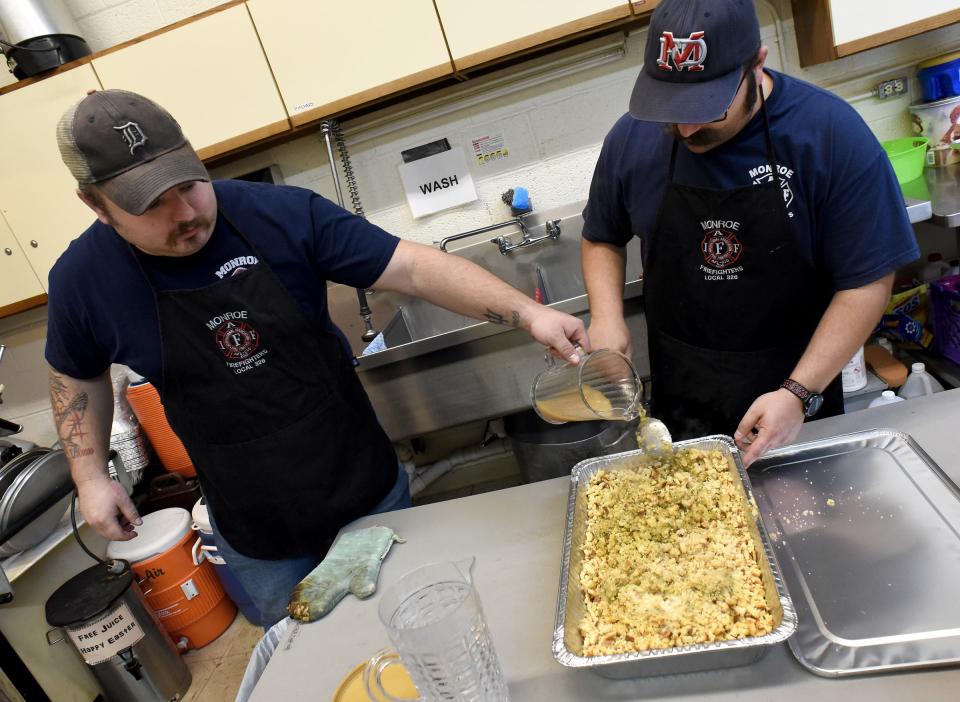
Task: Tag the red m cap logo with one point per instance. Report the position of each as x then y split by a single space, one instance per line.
685 54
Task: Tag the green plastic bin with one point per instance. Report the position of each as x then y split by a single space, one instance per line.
907 157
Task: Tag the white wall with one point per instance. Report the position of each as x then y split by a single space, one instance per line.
553 114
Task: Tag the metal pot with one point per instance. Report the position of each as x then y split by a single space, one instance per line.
940 122
546 450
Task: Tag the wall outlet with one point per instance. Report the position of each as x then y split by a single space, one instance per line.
891 88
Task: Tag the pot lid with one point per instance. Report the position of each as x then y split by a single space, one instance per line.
87 595
42 477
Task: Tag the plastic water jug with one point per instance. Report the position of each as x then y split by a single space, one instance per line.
919 383
887 397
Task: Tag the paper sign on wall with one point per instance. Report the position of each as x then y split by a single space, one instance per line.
437 182
108 635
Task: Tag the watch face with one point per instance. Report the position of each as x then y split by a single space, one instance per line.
813 404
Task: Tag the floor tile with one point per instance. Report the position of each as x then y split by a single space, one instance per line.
223 684
201 672
245 638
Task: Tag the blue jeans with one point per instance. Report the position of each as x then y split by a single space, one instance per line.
269 583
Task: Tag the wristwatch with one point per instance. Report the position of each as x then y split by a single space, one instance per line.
812 401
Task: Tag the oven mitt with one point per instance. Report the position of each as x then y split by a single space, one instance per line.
352 565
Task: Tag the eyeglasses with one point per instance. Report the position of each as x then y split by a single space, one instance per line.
739 85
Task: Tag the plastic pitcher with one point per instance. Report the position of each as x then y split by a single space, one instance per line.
604 385
434 619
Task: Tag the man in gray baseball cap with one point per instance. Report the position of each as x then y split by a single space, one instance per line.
771 224
216 292
127 146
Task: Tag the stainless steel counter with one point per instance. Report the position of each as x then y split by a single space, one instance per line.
516 535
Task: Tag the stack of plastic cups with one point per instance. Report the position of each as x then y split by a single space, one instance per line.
145 401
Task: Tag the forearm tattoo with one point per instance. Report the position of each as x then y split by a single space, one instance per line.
498 318
68 413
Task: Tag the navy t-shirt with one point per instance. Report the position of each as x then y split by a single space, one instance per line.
101 307
845 206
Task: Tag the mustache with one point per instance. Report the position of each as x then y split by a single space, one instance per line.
185 227
701 138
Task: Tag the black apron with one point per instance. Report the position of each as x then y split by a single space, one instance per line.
284 439
730 302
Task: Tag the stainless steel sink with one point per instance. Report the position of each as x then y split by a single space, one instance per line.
440 369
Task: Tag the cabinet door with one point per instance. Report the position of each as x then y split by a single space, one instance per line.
18 282
829 29
480 32
331 56
856 20
37 192
210 74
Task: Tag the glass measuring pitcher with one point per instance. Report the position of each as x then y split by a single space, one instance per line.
604 385
434 619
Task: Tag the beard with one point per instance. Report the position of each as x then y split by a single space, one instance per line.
704 137
713 136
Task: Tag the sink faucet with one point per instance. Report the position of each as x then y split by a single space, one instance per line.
506 246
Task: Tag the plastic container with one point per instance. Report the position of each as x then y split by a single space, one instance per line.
145 402
919 383
887 397
854 374
940 77
937 121
945 302
934 269
207 544
434 619
188 598
907 156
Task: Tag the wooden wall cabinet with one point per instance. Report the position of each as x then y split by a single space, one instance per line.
830 29
18 282
37 192
328 57
478 33
211 74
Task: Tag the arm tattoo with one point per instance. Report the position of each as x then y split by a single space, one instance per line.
68 415
498 318
494 317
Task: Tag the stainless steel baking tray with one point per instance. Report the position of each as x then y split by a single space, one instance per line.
567 642
867 528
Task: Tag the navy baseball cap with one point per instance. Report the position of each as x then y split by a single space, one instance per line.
693 61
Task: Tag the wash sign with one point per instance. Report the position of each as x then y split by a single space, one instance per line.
437 182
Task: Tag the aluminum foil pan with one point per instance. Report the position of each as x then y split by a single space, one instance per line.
567 642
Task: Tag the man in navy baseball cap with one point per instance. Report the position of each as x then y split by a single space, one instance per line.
694 58
771 226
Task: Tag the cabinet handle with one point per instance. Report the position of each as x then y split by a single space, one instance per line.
33 243
8 251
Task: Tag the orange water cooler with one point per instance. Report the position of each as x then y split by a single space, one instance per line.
187 596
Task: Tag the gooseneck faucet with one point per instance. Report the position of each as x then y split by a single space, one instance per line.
332 128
